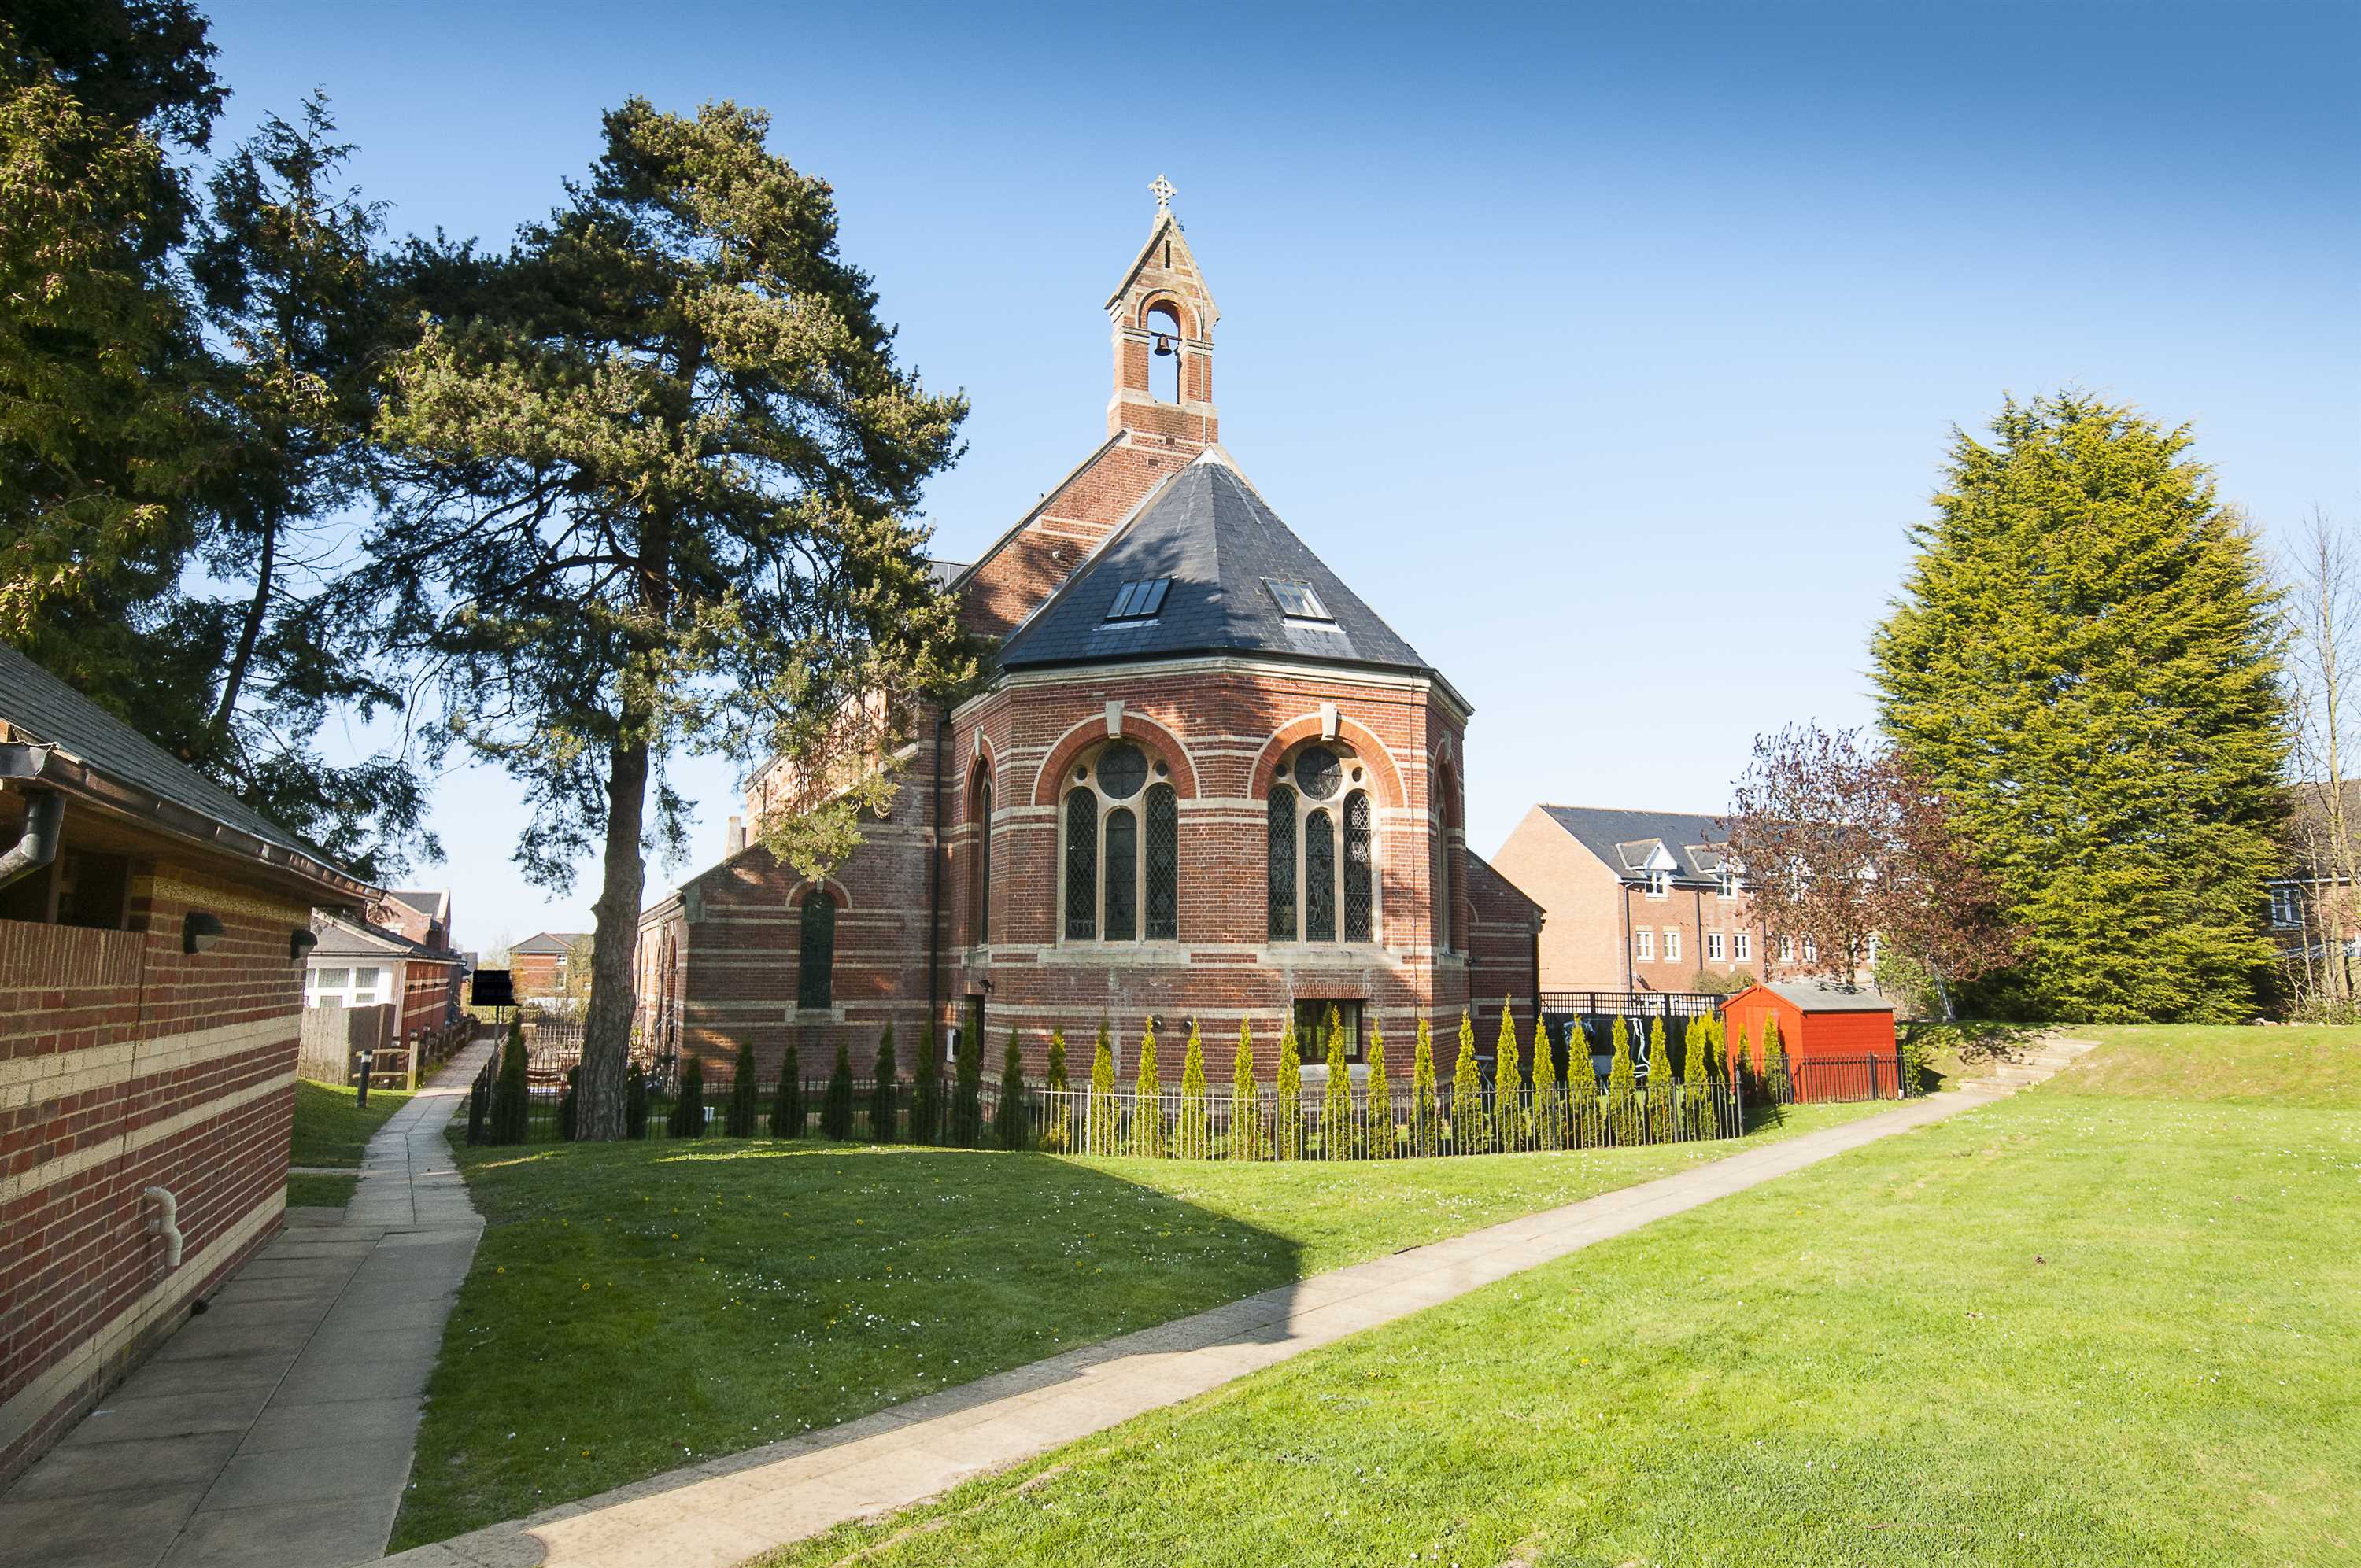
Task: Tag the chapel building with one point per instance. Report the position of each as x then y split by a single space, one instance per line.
1206 781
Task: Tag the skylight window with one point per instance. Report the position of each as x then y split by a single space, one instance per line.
1140 601
1297 601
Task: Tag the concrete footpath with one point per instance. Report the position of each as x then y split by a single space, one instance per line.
275 1431
720 1514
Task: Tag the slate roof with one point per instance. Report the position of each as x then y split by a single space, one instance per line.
549 942
341 938
42 710
1208 530
1626 839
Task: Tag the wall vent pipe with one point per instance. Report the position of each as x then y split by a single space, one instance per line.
165 1223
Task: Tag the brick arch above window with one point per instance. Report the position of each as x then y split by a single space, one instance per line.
1385 780
829 886
1160 744
1168 303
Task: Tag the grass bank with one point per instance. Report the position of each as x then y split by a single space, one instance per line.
2108 1321
634 1308
332 1129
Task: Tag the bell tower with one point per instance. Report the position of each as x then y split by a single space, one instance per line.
1164 317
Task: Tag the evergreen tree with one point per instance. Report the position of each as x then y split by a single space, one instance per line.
1696 1083
1009 1114
1147 1101
566 1106
1192 1142
1336 1097
787 1108
1586 1124
479 1110
1625 1120
1662 1092
1471 1130
836 1105
1549 1105
884 1090
2083 667
1287 1099
687 1119
1380 1102
1102 1130
738 1116
1059 1138
635 1104
1774 1062
512 1106
1509 1086
1245 1099
650 490
967 1094
1426 1115
927 1095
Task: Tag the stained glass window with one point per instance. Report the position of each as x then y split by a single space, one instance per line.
816 963
1283 863
1163 864
1319 878
1358 878
980 894
1121 771
1122 875
1081 864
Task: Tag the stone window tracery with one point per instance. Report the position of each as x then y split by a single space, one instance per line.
1318 797
1113 892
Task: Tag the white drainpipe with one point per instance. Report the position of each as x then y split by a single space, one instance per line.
168 1210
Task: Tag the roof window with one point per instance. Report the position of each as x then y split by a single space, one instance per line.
1139 600
1297 601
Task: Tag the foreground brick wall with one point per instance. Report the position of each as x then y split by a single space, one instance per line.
127 1064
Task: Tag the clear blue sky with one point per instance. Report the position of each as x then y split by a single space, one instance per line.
1607 350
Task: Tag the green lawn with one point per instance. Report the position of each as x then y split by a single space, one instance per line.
2073 1327
634 1308
331 1129
320 1191
2297 1064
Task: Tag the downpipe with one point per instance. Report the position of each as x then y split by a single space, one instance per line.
45 812
166 1223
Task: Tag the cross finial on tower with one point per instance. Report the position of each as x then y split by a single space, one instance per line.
1163 193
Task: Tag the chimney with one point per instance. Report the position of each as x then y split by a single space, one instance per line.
735 837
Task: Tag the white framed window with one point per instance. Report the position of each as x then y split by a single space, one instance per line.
1811 952
1787 949
349 987
1872 949
1726 885
2286 906
1671 947
1643 945
1742 946
1716 946
1660 884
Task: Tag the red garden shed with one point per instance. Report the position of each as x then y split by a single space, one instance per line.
1840 1040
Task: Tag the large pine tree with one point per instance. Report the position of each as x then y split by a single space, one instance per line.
2082 663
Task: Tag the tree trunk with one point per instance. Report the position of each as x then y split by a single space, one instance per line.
607 1027
248 634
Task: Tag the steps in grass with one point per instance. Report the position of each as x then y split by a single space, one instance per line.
2036 1063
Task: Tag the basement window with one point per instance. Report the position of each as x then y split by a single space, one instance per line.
1139 600
1297 601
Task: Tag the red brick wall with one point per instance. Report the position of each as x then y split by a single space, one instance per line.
125 1063
534 975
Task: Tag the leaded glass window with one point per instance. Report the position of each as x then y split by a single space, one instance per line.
1357 883
980 893
816 961
1163 864
1319 878
1082 865
1122 875
1283 863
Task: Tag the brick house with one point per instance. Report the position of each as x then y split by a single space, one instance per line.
539 966
1636 900
1209 782
152 934
361 964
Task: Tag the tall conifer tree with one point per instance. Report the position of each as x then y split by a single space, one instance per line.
2082 663
1380 1105
1471 1130
1245 1099
1508 1085
1425 1112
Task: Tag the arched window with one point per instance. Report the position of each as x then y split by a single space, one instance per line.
816 960
1113 892
1303 812
1445 884
1164 350
979 882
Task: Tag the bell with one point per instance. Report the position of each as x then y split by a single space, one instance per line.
1163 346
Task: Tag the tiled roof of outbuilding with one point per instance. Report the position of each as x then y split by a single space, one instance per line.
1222 546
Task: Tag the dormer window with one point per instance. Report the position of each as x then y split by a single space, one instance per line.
1726 883
1297 601
1660 884
1139 600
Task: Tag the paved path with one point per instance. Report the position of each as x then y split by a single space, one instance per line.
275 1432
720 1514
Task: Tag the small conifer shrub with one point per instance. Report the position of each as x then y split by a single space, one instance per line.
1471 1130
635 1103
1148 1103
787 1108
927 1095
967 1095
1509 1086
835 1105
1774 1062
1060 1136
1189 1141
1287 1099
1626 1119
738 1121
1380 1102
1696 1083
511 1107
479 1108
886 1090
1008 1114
1100 1134
1549 1106
1337 1099
1426 1115
1245 1099
687 1119
1663 1092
